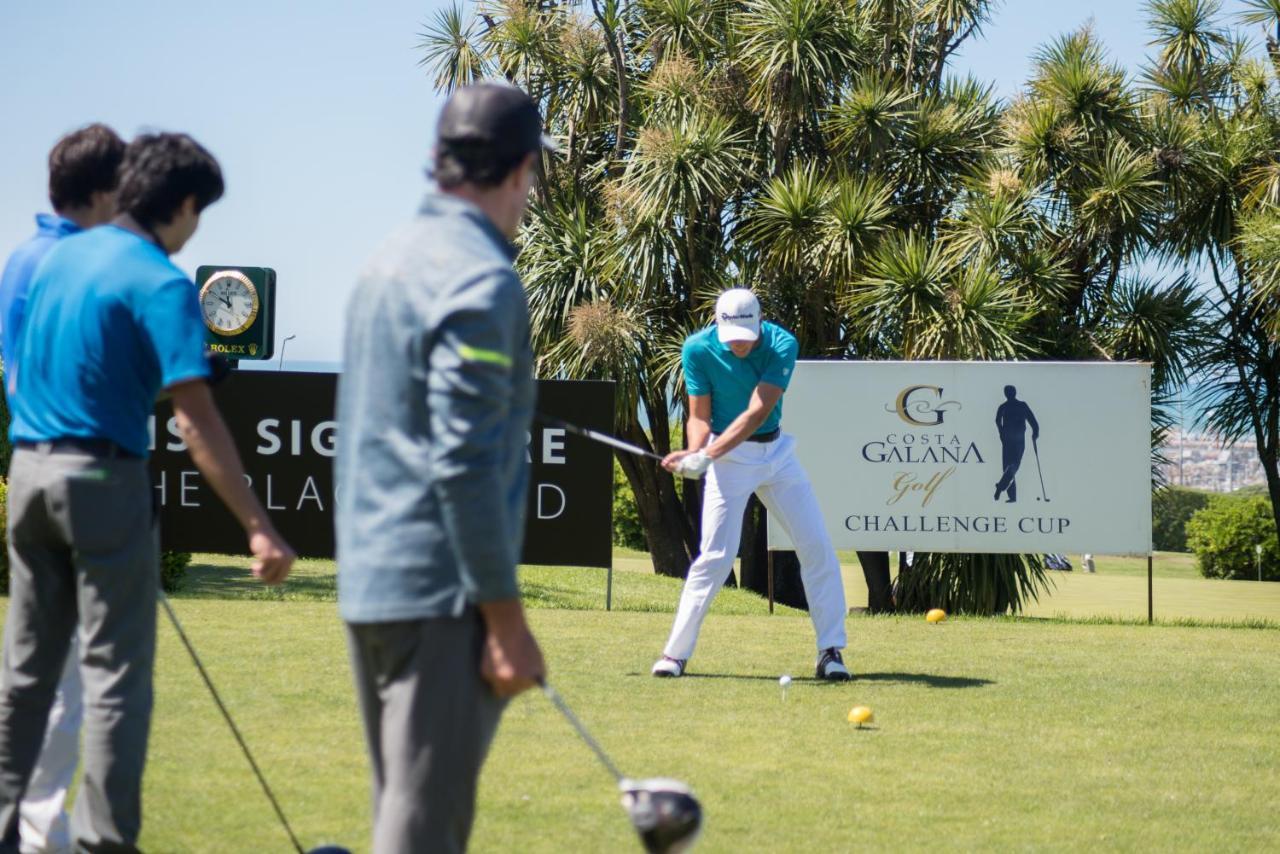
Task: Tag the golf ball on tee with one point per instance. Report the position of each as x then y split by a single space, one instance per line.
784 680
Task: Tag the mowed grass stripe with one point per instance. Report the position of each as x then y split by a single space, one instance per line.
1118 591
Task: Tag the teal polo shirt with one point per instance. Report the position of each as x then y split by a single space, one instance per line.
710 368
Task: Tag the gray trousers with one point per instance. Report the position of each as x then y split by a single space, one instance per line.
83 553
428 720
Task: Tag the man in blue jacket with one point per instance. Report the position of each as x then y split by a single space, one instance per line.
434 406
83 174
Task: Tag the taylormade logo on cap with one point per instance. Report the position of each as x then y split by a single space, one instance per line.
738 316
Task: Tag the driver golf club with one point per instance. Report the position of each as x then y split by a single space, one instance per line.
664 812
235 731
596 436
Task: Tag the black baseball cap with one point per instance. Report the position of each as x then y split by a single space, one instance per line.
496 118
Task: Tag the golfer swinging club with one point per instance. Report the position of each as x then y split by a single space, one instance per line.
736 373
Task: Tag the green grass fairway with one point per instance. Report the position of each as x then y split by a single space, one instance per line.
989 734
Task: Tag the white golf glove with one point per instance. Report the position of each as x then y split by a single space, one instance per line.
694 465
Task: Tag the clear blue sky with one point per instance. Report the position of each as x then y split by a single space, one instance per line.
318 113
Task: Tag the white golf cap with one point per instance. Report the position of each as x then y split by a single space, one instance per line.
738 316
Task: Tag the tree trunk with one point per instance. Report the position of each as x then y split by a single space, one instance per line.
659 508
788 589
754 572
1271 468
875 569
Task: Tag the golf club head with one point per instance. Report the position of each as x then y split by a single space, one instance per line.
664 812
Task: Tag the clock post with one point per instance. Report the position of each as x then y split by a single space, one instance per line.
238 307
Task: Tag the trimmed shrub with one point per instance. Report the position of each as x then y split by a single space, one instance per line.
627 530
1171 508
1223 536
173 569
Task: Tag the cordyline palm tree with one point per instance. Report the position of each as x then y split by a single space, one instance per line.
1219 145
818 151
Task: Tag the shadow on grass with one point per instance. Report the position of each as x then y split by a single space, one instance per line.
933 681
221 581
930 679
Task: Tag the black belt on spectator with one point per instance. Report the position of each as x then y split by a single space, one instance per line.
765 437
92 447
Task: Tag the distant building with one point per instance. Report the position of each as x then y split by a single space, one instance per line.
1203 461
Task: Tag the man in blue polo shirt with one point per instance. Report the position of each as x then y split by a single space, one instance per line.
110 322
736 373
83 174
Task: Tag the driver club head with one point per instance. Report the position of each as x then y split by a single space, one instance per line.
664 812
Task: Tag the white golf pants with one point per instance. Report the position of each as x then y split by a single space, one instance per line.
42 815
772 472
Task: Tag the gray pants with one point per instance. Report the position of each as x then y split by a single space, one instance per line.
428 720
82 552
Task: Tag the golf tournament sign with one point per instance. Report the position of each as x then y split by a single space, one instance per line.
983 457
284 428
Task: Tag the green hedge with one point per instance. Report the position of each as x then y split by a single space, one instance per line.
173 570
1171 509
627 530
1223 536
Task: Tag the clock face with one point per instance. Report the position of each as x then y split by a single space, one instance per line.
229 302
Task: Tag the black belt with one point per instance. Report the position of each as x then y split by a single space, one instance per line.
765 437
92 447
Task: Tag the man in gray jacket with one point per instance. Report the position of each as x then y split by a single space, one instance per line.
434 406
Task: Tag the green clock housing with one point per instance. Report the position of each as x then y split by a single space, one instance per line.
238 306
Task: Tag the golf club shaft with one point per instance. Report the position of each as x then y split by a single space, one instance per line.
1035 446
560 704
603 438
257 772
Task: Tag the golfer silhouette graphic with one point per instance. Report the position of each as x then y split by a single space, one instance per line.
1012 419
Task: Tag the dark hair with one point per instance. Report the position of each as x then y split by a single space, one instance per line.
82 163
160 171
474 164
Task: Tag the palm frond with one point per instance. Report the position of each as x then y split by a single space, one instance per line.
866 122
679 167
798 53
449 50
1187 31
856 219
785 225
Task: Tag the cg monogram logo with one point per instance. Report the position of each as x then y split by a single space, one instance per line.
922 405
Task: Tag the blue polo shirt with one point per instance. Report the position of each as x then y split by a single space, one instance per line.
15 283
711 368
110 321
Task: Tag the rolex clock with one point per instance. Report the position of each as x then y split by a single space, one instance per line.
238 304
230 303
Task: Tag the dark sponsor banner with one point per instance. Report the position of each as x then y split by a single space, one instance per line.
283 426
